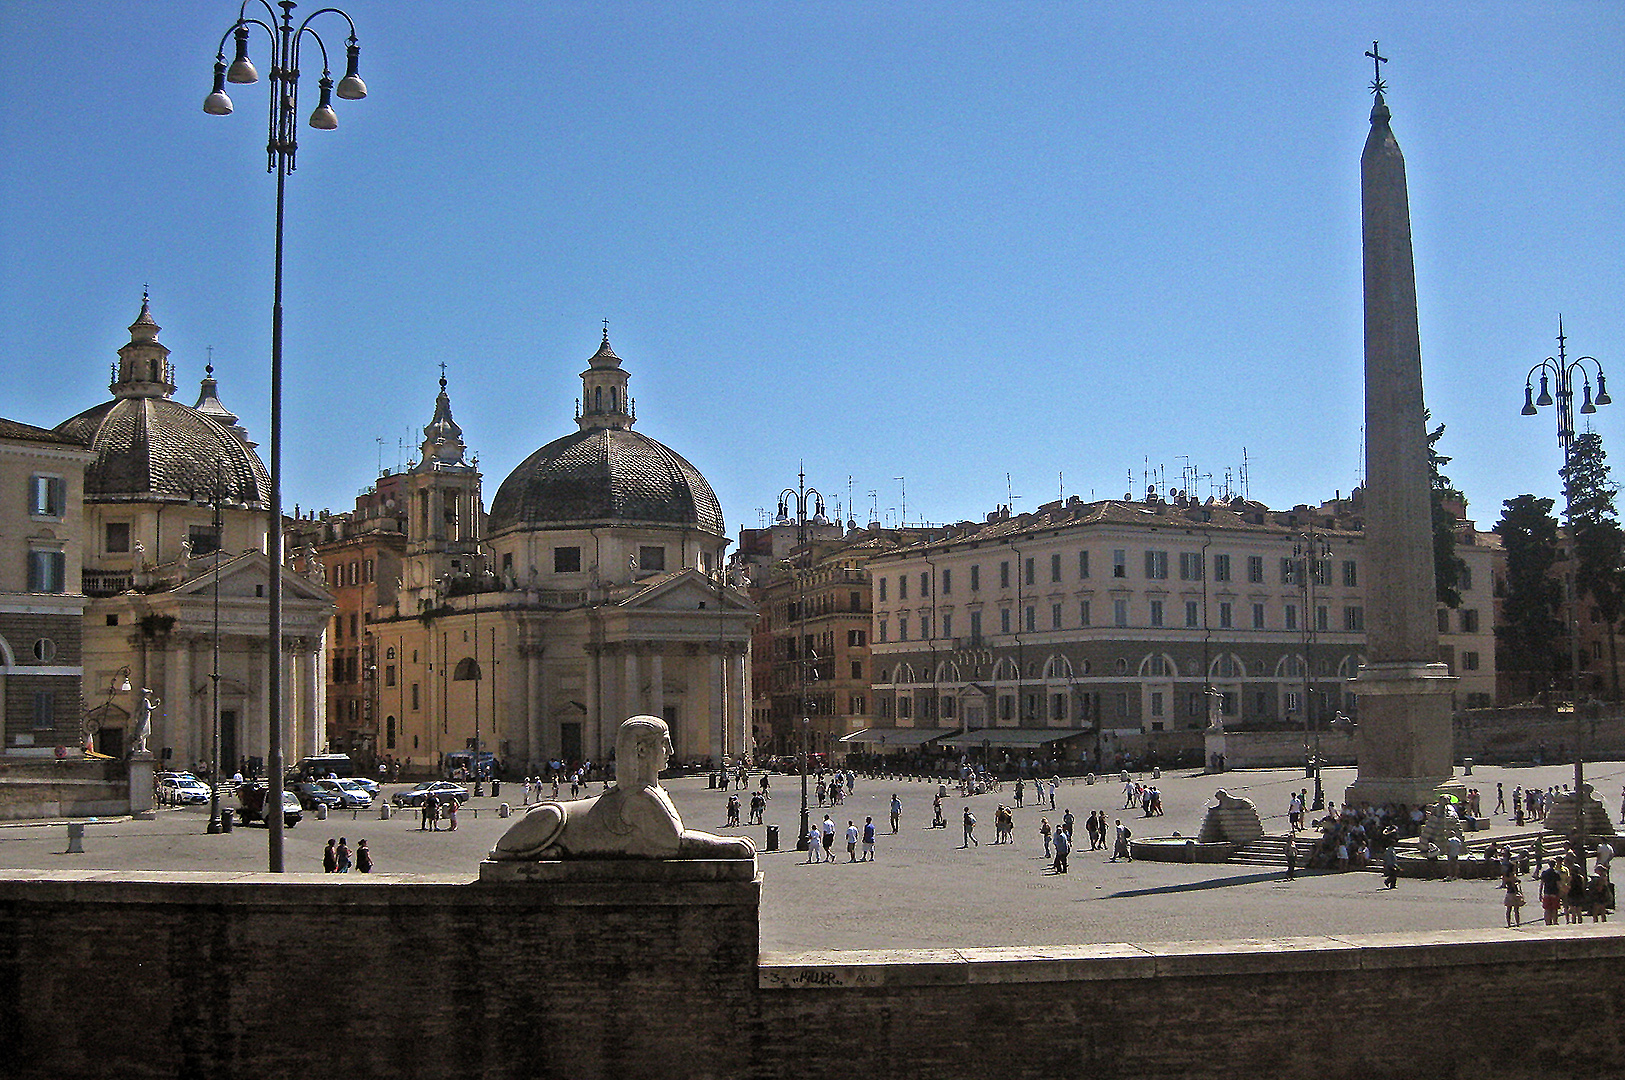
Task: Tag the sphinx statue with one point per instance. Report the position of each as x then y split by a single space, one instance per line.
634 819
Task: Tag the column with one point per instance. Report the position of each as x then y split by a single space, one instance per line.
741 696
593 721
630 697
657 685
533 702
312 714
713 660
173 726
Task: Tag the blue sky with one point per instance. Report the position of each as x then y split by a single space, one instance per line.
992 248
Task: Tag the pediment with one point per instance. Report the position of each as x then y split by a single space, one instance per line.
688 590
244 577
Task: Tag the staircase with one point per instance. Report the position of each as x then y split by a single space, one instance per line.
1271 851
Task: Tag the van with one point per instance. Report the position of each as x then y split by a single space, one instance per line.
322 766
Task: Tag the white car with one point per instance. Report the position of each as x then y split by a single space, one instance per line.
176 789
351 795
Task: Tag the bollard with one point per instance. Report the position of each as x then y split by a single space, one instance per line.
76 838
503 810
225 819
383 811
1467 766
321 811
496 790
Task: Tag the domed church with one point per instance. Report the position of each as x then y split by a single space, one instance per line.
593 591
175 514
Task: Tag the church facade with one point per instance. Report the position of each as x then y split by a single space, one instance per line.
593 591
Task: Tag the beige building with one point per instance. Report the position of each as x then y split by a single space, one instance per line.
592 592
1101 631
41 606
177 575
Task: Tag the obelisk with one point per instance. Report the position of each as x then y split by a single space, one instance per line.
1406 750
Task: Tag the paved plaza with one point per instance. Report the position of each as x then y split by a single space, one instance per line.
923 891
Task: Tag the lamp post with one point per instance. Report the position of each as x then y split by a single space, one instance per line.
281 148
214 671
1561 370
800 495
1311 552
118 684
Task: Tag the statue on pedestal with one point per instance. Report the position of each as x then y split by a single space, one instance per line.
634 819
143 722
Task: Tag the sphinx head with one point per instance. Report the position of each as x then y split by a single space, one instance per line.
642 748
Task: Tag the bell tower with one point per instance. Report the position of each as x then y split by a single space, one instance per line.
604 402
445 511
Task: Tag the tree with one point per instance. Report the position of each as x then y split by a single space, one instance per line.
1599 542
1449 570
1527 639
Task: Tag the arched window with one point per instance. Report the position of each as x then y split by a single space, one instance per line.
467 668
389 733
614 404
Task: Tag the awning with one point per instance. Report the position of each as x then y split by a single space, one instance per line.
894 737
1013 737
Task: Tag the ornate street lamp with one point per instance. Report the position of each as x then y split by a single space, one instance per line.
1561 369
283 144
800 495
1311 552
118 684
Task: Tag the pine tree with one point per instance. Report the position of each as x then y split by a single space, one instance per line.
1527 640
1599 542
1449 569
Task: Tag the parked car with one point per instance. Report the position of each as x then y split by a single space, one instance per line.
443 790
371 786
309 795
175 789
351 796
251 801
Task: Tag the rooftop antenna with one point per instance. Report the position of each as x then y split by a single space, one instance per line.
1060 481
379 439
902 516
874 507
1246 477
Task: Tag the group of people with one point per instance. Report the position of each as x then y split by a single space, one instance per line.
1564 890
758 808
836 788
1146 797
821 841
1043 790
338 858
1058 842
437 808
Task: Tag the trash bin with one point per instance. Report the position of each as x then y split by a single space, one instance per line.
225 819
383 811
1467 766
712 777
496 788
772 838
503 810
321 811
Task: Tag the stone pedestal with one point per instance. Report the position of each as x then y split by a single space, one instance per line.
1405 743
1213 747
1232 820
1560 817
141 786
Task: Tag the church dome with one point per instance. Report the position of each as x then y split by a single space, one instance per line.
605 476
606 473
150 447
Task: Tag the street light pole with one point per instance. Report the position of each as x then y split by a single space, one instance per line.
800 494
214 671
1311 551
1561 370
280 154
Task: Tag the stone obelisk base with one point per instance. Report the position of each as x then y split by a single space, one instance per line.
1405 739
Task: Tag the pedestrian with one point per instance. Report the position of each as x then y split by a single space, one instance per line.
363 857
1291 856
344 862
1054 786
1453 857
815 846
1514 899
1063 848
829 839
451 812
330 857
431 813
970 830
851 841
1044 831
1550 897
868 840
1066 824
937 820
896 812
1500 798
1121 849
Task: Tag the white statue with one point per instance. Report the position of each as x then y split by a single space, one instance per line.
140 553
143 721
634 819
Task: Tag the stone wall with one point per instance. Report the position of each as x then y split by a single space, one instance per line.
1283 748
258 975
42 789
1528 735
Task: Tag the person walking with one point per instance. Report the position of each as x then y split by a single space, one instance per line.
1514 899
851 841
1291 856
344 861
1044 831
868 840
815 845
451 812
970 830
896 812
330 857
828 829
1063 848
428 813
363 857
1500 798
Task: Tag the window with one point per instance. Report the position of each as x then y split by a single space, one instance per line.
905 706
117 539
1289 571
1190 566
1221 568
389 674
1119 563
1469 661
1227 618
948 625
1322 621
857 671
44 650
1083 564
1055 616
1469 621
47 496
205 539
1007 707
1354 619
902 586
1057 706
882 582
1193 614
389 733
44 710
1255 569
857 638
1029 619
1119 612
366 571
882 634
947 581
567 560
47 571
1055 567
975 578
1156 565
1156 613
1322 569
925 584
1351 576
925 627
902 628
1004 620
1029 570
1291 613
1291 701
975 625
651 558
1258 616
415 705
1083 613
1466 577
1444 620
1156 703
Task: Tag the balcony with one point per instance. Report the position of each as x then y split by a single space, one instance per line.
105 582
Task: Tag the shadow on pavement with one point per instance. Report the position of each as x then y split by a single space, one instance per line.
1196 886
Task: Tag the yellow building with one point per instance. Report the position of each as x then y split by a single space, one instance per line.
593 592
